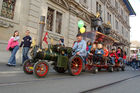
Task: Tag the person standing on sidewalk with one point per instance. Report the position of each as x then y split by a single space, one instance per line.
61 41
138 58
26 43
134 61
13 46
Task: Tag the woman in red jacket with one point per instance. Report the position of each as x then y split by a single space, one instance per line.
113 56
13 46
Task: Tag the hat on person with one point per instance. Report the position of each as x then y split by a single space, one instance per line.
78 35
62 40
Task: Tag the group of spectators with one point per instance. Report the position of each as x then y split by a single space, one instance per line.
134 61
14 45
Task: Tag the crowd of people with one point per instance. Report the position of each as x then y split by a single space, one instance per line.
134 61
80 46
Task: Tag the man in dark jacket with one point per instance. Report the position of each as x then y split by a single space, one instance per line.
26 43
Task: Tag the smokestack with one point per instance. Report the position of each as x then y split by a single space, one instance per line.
41 30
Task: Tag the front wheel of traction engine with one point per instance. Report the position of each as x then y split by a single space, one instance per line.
41 69
28 66
75 65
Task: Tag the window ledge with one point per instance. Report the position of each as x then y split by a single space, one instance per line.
8 20
3 42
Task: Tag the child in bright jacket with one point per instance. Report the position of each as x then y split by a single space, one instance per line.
99 52
113 56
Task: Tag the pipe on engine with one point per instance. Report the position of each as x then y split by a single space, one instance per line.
41 30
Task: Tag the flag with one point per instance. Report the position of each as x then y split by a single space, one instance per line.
45 38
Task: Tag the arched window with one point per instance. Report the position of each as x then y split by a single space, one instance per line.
8 7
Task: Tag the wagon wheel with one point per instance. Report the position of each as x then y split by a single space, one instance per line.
110 69
95 70
99 69
75 65
123 68
118 68
60 69
28 66
41 69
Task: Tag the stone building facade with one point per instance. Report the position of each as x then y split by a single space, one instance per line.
62 17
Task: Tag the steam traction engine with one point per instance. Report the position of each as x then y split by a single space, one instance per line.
60 57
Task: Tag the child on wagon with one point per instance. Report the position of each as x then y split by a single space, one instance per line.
120 54
89 46
113 56
91 54
99 52
106 53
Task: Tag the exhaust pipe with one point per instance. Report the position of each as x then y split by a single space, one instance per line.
41 30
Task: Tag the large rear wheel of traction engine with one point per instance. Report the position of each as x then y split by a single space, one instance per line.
28 66
41 69
75 65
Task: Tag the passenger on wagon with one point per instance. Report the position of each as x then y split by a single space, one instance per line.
93 49
88 49
124 57
113 56
99 53
91 55
120 54
106 53
92 52
80 47
89 46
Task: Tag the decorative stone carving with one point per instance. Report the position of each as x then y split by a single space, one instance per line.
85 16
62 3
103 1
75 8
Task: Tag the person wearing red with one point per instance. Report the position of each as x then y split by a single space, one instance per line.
120 54
113 56
124 57
106 52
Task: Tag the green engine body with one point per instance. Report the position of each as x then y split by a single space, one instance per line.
59 54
